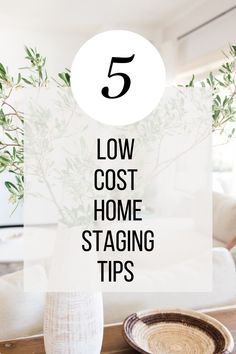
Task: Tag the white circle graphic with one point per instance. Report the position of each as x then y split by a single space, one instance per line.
118 77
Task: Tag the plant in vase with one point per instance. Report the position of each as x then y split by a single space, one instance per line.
73 321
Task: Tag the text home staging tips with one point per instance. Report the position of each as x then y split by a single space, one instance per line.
111 239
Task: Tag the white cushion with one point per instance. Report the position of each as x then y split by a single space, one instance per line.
119 305
224 217
21 313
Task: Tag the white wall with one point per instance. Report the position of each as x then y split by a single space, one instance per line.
58 47
198 51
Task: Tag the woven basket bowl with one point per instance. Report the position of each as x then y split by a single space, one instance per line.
176 332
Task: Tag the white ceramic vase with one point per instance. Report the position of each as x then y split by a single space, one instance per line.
73 323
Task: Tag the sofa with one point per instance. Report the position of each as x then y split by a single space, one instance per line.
22 313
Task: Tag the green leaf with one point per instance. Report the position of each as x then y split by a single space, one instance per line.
27 81
2 69
18 79
11 187
9 136
218 98
65 77
4 160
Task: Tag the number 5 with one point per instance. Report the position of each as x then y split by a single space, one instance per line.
127 81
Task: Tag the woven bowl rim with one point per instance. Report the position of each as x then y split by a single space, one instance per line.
218 326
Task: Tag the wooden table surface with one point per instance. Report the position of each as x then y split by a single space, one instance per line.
113 342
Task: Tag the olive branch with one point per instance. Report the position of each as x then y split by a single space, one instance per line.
222 84
12 121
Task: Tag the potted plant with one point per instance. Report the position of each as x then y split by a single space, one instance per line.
73 321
